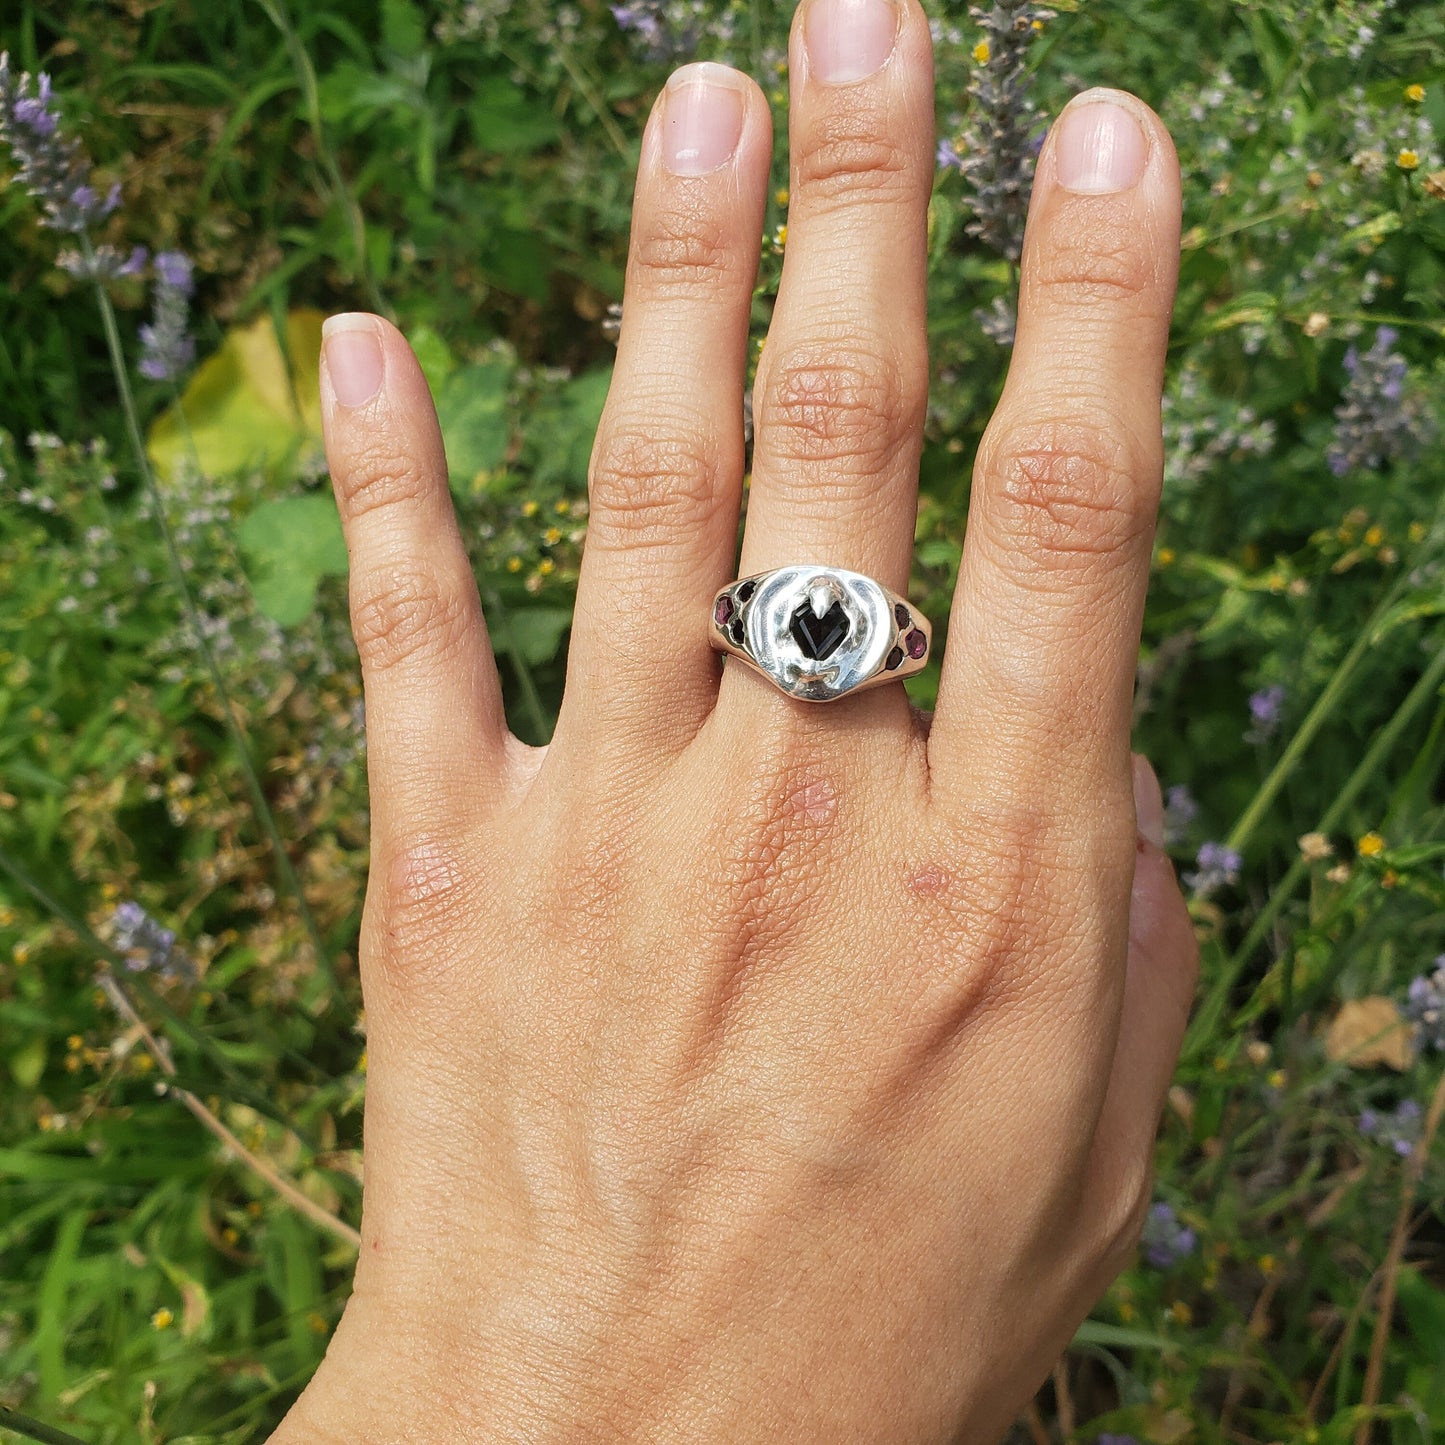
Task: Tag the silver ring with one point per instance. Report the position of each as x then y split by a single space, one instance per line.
820 633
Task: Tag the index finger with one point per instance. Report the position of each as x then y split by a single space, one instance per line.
1038 680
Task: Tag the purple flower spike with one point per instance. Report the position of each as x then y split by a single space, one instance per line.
1377 422
49 164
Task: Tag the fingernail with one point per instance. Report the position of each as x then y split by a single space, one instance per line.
1100 148
702 122
353 357
849 39
1148 802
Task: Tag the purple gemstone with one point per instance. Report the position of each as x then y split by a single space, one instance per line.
895 659
746 590
901 613
916 643
722 611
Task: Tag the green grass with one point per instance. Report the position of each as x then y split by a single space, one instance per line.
157 1286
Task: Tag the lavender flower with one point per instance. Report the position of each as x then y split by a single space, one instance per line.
998 321
1001 141
148 947
1216 866
669 28
1165 1240
1265 709
167 345
1180 811
49 164
1425 1006
1376 422
1399 1130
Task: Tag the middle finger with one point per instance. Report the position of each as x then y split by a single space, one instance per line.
843 381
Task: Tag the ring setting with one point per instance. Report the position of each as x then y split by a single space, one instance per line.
820 633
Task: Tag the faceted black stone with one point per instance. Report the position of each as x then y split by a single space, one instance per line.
735 631
819 637
745 590
894 658
901 613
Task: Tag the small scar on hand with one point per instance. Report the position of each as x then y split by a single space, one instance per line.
929 881
814 803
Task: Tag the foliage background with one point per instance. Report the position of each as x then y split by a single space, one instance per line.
466 168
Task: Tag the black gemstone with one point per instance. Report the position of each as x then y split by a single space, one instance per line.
745 590
901 613
819 637
735 631
894 658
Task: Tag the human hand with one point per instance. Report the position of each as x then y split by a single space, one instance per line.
742 1069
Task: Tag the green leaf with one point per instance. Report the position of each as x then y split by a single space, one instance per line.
505 119
535 633
27 1063
476 426
1096 1332
289 544
434 356
403 30
245 406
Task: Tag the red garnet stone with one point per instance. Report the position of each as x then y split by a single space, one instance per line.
722 611
916 643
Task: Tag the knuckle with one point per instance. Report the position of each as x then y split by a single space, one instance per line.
1068 490
851 156
378 479
426 899
1101 262
684 250
652 485
398 614
825 402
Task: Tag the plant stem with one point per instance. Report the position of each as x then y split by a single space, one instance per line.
34 1429
589 92
258 1166
1208 1017
193 614
500 621
311 100
1318 715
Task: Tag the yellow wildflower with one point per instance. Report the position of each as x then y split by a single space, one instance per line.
562 507
552 536
1407 160
981 52
74 1042
514 564
529 508
781 196
1277 1079
163 1318
1268 1264
1180 1313
1417 531
1370 846
1375 536
1166 556
20 953
1415 93
546 566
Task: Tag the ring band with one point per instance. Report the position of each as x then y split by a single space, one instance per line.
820 633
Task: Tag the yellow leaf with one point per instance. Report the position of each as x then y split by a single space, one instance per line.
245 406
1367 1032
